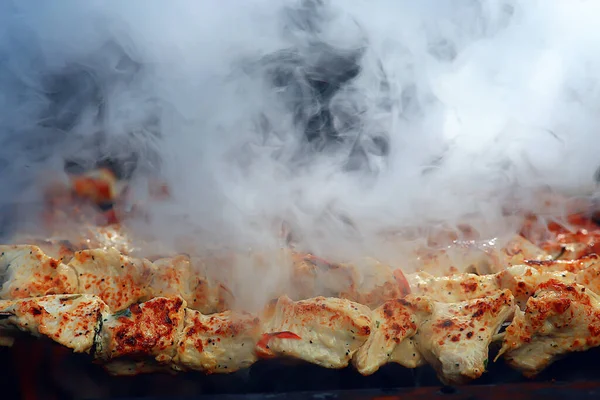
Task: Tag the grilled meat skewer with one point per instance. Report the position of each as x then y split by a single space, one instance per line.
163 334
121 281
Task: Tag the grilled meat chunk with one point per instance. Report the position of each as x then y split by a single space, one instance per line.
151 329
177 277
322 331
28 272
516 252
453 288
217 343
590 278
61 250
371 285
392 327
454 260
558 319
377 283
71 320
523 280
481 258
456 337
118 280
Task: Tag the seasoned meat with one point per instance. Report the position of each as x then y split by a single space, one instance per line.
573 266
71 320
523 281
453 260
109 237
177 277
331 279
481 258
217 343
376 284
150 329
28 272
61 250
392 327
118 280
101 186
560 318
571 245
456 337
303 280
367 282
516 252
322 331
453 288
590 278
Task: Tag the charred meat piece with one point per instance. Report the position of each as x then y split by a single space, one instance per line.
147 330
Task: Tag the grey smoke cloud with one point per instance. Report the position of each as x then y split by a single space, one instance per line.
344 117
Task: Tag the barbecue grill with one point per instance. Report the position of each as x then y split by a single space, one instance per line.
38 369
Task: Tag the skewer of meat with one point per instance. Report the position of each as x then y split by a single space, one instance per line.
530 277
162 334
120 280
100 271
104 271
453 337
521 280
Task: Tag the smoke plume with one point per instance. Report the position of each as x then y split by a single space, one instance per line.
343 118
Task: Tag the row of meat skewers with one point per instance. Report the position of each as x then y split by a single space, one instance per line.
133 315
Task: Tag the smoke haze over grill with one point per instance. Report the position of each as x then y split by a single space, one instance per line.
344 118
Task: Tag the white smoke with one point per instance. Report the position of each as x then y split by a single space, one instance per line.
344 118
